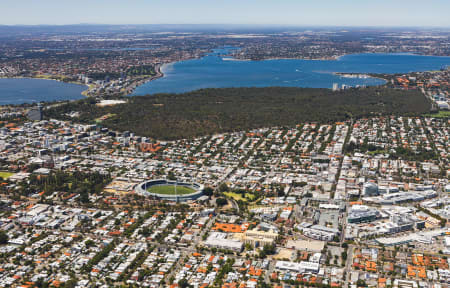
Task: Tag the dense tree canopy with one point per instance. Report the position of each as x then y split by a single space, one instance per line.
221 201
78 183
3 237
209 111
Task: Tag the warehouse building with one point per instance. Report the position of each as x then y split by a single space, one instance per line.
219 240
302 267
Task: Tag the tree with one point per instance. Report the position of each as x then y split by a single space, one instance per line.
361 283
183 283
89 243
221 201
208 191
268 249
41 283
280 192
300 184
171 176
223 187
145 232
3 237
344 256
72 283
84 196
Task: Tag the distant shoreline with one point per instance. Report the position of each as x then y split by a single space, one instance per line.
342 74
159 74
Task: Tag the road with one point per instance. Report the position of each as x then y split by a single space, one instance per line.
187 251
235 205
348 265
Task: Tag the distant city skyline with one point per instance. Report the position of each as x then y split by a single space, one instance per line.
413 13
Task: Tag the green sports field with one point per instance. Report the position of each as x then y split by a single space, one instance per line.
170 190
6 175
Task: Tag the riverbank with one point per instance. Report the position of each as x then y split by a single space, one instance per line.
359 76
132 87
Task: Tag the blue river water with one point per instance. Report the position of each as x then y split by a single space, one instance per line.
218 71
24 90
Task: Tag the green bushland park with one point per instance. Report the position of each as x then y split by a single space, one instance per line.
210 111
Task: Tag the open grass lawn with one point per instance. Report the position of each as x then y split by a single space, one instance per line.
170 190
6 175
237 196
104 117
440 114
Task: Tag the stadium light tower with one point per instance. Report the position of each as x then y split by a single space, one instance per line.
176 195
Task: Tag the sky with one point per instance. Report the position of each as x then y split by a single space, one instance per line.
269 12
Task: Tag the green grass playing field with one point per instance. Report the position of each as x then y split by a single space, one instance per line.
6 175
170 190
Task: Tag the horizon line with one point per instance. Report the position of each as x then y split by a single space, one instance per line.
227 24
